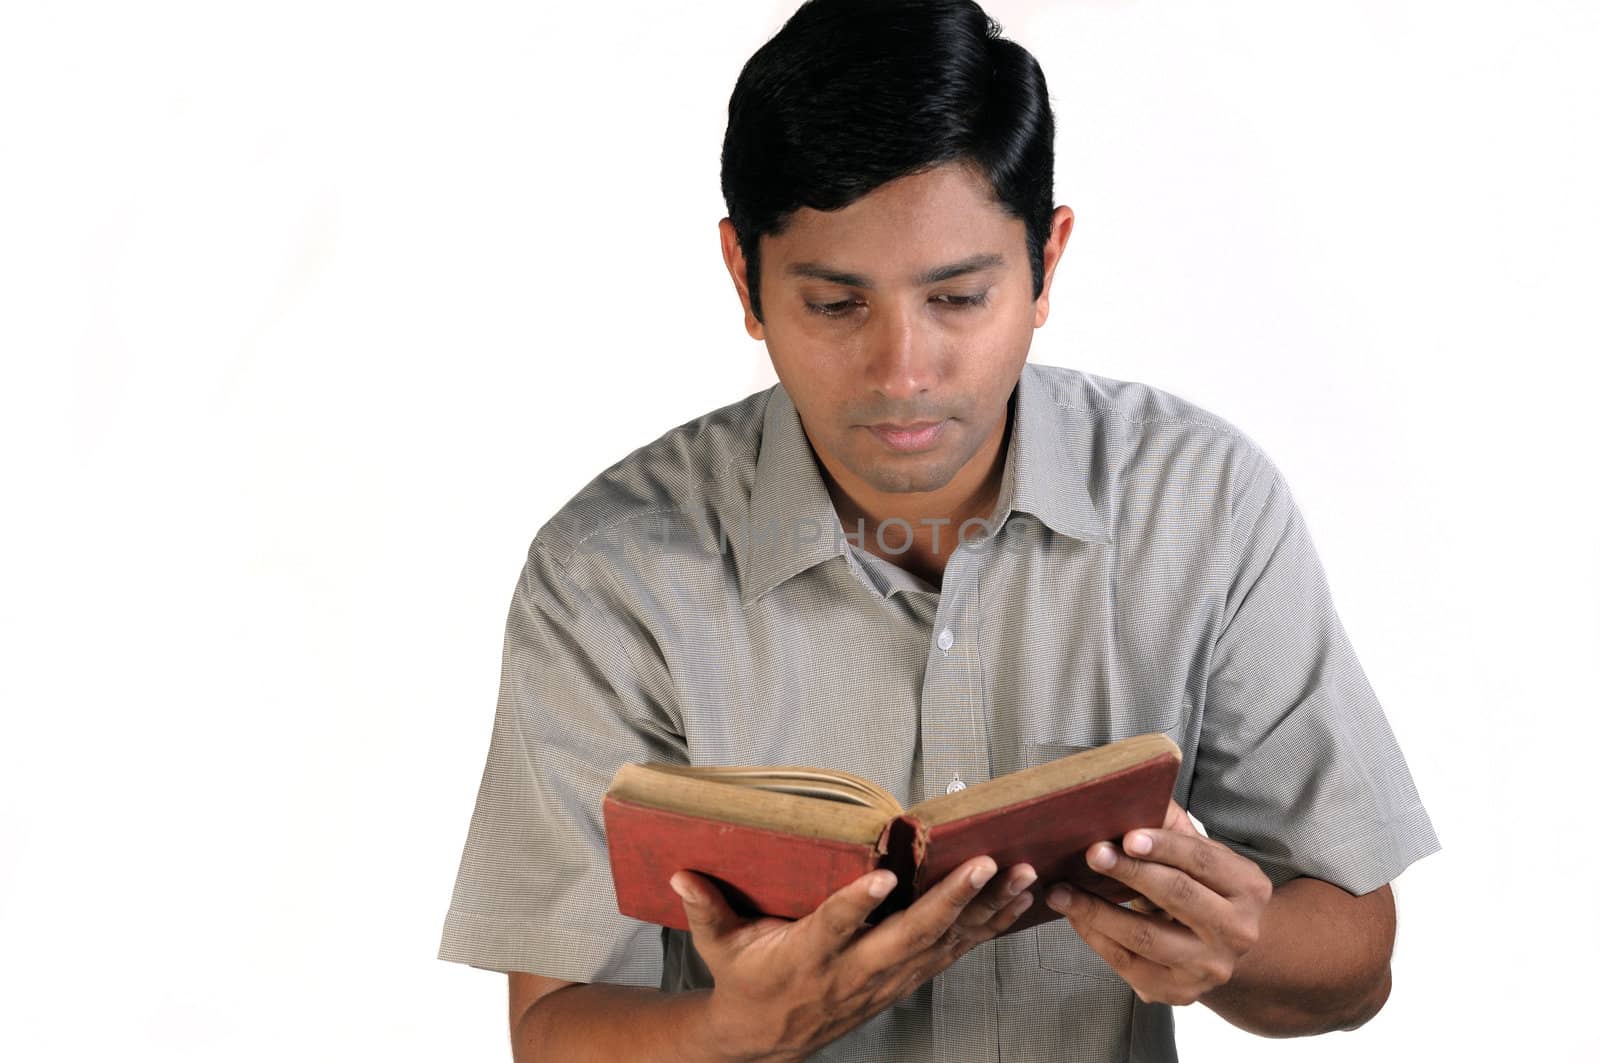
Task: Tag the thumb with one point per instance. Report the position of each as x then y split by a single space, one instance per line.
710 918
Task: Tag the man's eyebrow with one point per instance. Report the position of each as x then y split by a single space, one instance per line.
971 264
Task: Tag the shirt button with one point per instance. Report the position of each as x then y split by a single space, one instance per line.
946 640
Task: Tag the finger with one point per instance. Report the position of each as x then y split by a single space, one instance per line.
839 919
948 950
1188 899
999 895
956 942
711 920
1163 943
1146 977
1009 914
930 922
1209 862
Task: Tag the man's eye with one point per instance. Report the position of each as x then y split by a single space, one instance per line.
953 302
963 301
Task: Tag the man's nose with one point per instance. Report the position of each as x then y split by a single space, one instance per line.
901 354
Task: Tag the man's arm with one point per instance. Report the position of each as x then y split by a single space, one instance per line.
1321 963
552 1019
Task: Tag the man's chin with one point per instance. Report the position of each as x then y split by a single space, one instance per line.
910 474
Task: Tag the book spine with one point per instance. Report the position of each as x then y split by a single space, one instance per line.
902 847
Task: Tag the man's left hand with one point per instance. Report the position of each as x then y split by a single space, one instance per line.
1208 902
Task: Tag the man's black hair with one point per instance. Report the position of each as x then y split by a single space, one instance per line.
851 94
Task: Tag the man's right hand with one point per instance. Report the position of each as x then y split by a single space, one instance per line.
786 988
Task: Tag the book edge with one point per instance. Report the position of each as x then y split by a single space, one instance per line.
1043 780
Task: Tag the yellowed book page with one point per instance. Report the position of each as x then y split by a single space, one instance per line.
748 806
1061 774
825 783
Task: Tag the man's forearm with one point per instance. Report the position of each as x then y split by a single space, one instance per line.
603 1023
1321 963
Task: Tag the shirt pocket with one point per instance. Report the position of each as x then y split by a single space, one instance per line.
1063 952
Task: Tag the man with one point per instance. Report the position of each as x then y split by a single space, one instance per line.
924 560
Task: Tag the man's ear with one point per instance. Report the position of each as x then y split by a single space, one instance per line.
1055 243
733 258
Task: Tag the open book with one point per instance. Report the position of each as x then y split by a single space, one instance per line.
780 840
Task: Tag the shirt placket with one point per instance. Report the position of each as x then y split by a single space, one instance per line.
955 754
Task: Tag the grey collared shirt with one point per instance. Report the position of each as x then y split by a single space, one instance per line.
1145 569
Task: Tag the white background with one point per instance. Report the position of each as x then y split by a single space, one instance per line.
312 313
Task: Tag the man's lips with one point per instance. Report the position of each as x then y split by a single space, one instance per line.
917 435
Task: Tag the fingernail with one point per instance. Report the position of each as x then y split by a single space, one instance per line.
1060 897
1140 844
882 882
681 889
981 874
1102 857
1022 881
1021 904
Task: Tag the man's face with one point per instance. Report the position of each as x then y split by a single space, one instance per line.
914 307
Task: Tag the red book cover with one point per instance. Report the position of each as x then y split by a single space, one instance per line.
766 871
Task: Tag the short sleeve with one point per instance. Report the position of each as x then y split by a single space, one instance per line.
534 890
1296 766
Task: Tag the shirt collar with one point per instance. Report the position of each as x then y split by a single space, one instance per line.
793 525
1047 470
